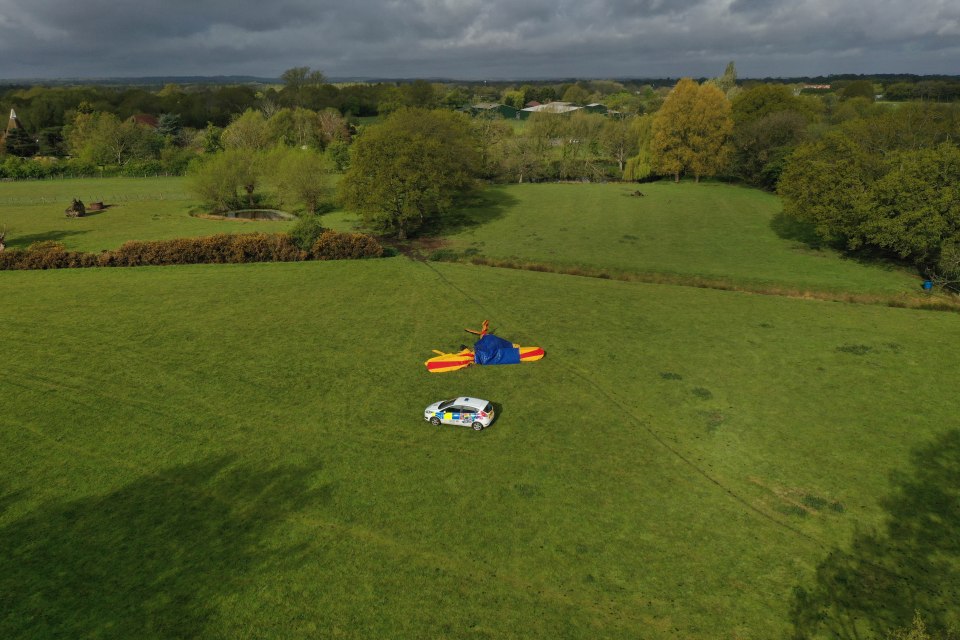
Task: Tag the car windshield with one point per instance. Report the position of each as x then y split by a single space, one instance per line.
445 404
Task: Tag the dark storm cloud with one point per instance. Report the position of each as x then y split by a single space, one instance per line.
476 38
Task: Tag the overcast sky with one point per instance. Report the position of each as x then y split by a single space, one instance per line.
477 39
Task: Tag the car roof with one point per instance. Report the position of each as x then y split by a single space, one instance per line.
479 403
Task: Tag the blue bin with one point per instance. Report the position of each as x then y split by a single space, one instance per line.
927 285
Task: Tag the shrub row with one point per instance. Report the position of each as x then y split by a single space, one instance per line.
14 168
218 249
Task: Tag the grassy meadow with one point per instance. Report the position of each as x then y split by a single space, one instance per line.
138 209
226 451
710 230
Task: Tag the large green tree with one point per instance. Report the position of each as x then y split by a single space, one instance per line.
300 175
728 81
827 183
620 139
762 100
491 133
20 143
218 177
915 206
249 131
904 201
103 139
298 84
761 147
410 169
640 166
769 121
295 128
691 130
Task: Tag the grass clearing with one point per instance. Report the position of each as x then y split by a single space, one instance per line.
709 231
139 209
237 450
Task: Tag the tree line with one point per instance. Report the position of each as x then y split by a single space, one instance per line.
867 174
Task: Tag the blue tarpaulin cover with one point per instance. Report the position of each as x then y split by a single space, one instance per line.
490 349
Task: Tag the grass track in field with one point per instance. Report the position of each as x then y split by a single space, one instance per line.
236 450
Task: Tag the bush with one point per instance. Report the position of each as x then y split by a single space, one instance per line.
345 246
263 247
10 259
22 168
141 168
175 161
45 255
77 168
306 231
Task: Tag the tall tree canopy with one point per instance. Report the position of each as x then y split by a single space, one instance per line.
869 184
690 131
410 169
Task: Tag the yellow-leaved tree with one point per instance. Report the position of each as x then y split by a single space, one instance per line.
691 131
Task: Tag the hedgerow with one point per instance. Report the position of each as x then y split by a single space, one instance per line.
217 249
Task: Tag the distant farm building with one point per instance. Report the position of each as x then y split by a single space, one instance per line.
551 107
12 124
595 107
812 88
506 111
493 108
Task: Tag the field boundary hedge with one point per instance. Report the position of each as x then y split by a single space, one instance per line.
217 249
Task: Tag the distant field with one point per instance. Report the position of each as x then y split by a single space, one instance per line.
706 230
238 451
140 209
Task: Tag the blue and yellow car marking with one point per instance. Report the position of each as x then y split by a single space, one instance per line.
449 415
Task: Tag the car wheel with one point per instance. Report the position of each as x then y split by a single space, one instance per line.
477 426
435 421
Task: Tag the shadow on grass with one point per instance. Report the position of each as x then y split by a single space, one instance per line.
880 259
914 565
480 208
789 228
22 242
147 560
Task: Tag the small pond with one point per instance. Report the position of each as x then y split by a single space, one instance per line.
259 214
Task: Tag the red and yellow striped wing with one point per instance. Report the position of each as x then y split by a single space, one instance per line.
450 361
531 354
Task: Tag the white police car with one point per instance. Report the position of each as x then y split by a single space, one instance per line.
468 412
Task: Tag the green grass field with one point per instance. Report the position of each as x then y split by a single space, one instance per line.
139 209
708 230
227 451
